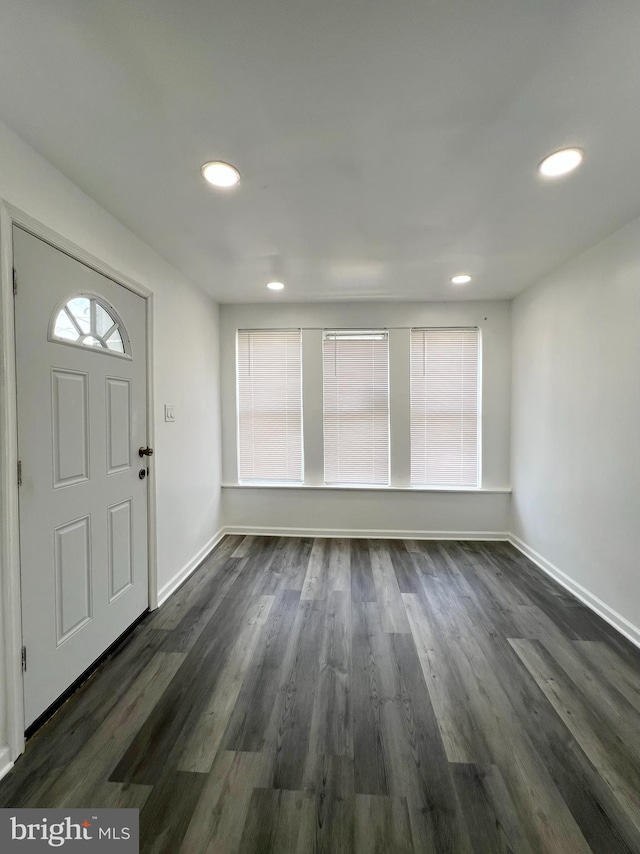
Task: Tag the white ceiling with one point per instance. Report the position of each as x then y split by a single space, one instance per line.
385 145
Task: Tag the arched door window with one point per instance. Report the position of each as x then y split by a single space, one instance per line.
88 321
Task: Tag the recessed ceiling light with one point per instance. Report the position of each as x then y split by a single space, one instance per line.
561 162
220 174
275 286
461 280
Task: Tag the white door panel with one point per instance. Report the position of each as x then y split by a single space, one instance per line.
83 507
118 423
72 560
120 541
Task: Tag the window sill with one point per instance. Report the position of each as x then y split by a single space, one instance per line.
359 488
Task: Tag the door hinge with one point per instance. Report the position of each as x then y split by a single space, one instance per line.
19 472
15 282
24 658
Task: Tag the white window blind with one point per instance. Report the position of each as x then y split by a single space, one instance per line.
356 406
445 407
270 405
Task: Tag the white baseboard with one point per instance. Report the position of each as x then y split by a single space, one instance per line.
184 573
620 623
5 763
353 533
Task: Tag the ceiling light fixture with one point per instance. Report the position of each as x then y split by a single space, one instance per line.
220 174
561 162
275 286
461 280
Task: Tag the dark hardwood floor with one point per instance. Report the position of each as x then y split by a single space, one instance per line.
316 695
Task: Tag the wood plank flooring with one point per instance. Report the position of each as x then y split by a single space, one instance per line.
316 695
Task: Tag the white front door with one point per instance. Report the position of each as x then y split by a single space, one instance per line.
81 374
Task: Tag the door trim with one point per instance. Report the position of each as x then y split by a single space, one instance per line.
11 614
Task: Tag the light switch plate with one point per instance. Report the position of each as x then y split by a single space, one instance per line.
169 412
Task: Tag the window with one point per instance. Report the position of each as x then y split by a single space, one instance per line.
445 407
269 364
356 407
88 321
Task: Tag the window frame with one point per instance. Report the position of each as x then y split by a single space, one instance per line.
479 377
111 311
360 333
261 481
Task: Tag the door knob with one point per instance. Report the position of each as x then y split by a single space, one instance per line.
145 452
142 474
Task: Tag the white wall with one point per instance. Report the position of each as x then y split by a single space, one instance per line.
576 423
186 371
333 509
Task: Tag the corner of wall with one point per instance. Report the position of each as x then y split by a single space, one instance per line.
620 623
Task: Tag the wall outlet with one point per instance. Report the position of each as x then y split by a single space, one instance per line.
169 412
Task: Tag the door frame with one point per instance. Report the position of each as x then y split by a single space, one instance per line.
11 614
